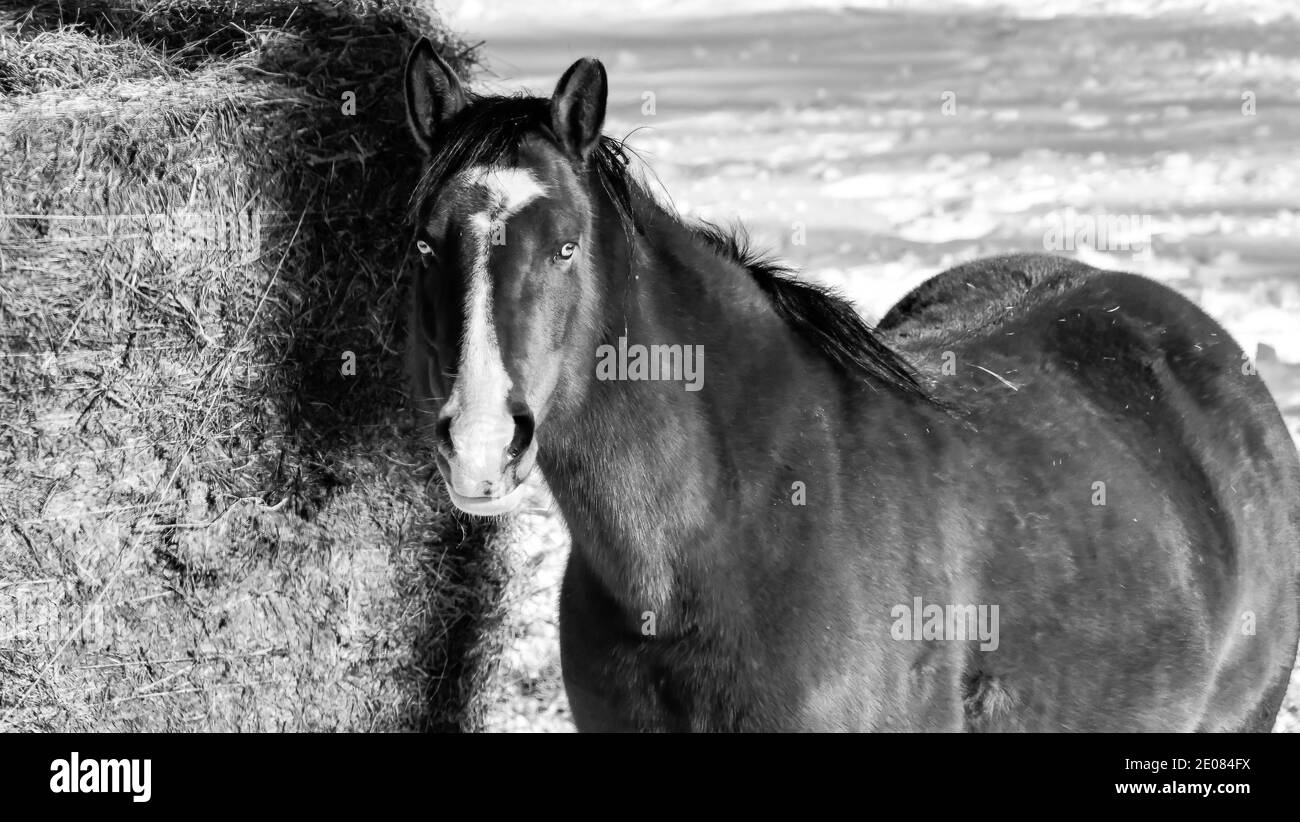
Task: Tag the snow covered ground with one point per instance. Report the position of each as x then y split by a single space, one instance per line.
873 144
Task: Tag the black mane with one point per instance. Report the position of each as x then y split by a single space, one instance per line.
820 315
490 129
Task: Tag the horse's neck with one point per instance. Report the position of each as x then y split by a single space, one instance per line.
642 469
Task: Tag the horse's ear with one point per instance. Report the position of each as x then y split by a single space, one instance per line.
433 93
578 107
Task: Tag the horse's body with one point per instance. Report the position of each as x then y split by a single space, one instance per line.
1085 450
1120 616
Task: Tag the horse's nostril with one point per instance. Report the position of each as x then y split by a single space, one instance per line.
524 426
442 435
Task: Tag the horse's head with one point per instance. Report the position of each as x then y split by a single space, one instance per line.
503 226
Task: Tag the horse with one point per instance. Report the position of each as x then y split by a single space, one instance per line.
1037 496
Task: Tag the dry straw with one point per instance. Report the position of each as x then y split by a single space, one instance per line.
204 522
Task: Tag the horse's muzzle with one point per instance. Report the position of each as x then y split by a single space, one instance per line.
486 460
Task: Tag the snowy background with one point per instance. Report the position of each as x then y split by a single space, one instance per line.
873 144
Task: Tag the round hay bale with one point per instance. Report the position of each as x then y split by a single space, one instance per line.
211 514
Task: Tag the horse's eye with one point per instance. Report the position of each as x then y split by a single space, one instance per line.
424 247
567 251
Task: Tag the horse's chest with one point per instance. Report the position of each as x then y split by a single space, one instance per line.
624 684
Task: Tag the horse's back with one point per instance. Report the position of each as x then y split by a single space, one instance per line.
963 297
1073 376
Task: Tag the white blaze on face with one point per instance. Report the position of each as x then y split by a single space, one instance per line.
481 427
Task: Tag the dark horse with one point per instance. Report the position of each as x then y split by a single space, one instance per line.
1039 496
